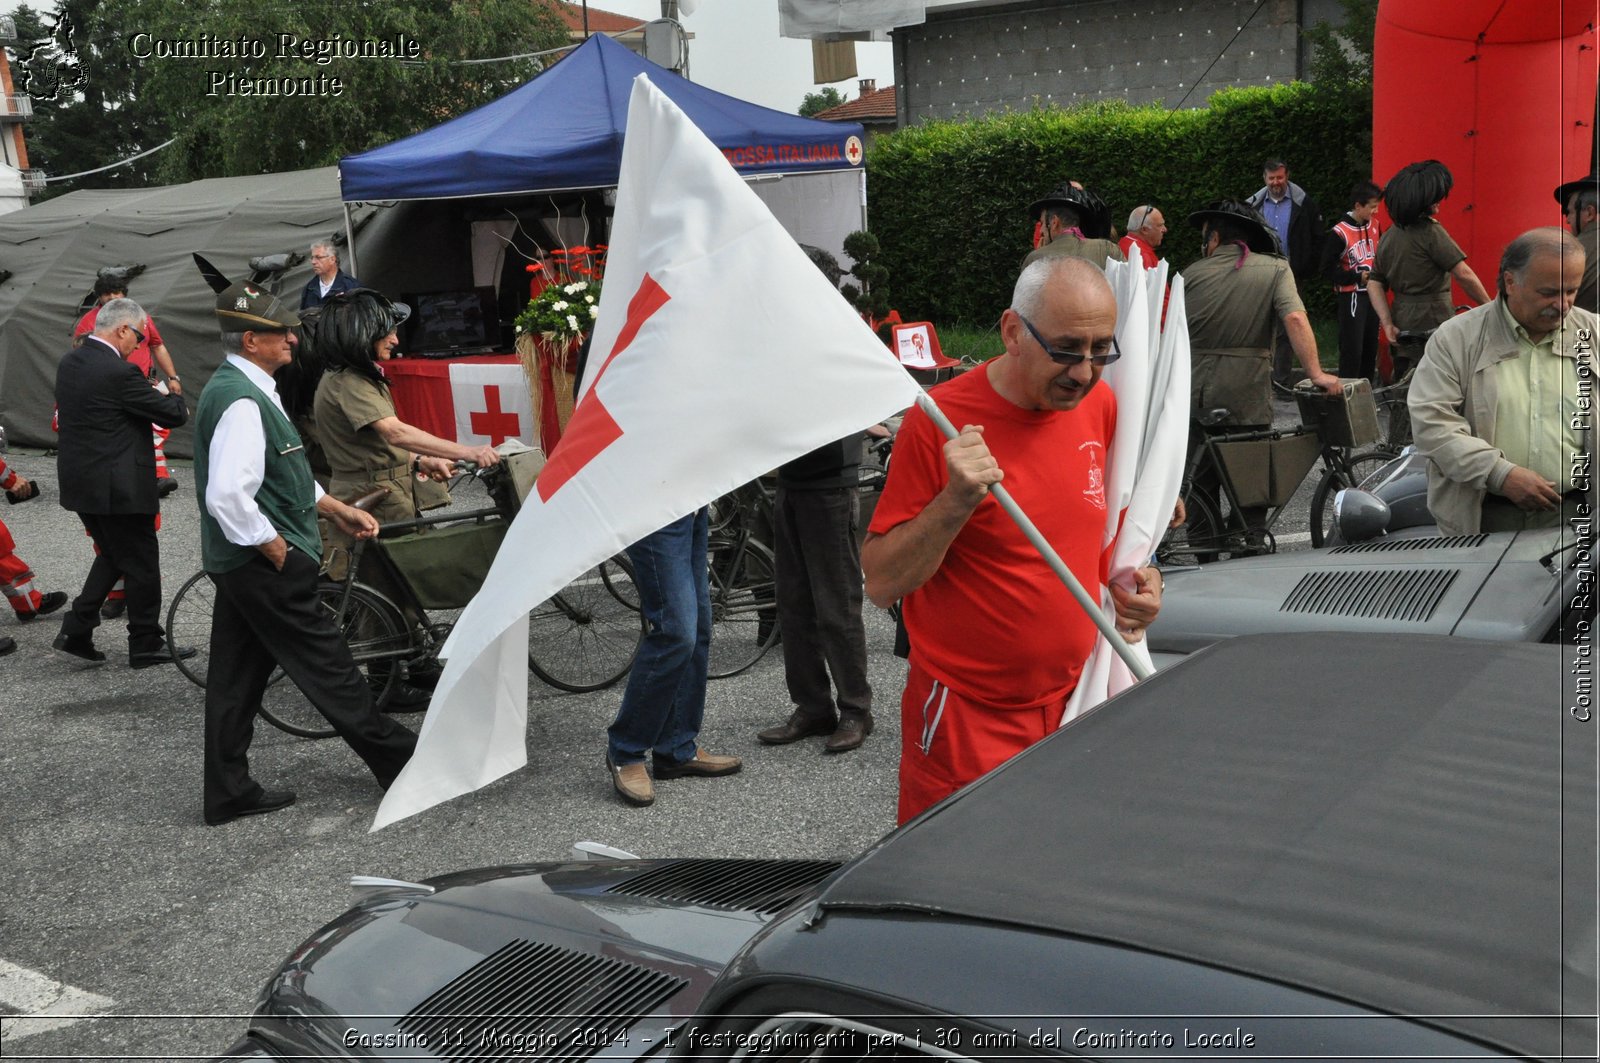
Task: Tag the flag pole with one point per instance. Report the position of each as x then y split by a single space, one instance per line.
1107 627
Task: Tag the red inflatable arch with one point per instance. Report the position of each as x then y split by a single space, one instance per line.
1500 91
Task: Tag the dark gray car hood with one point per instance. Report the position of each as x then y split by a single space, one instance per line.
559 960
1478 586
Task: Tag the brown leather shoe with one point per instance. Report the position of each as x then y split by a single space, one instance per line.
850 733
796 727
632 783
705 765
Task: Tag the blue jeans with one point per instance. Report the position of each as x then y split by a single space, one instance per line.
665 699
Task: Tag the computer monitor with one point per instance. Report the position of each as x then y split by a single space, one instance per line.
452 322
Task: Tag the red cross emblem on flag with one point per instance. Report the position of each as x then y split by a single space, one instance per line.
499 425
592 428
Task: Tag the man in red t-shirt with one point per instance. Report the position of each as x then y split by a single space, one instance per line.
997 642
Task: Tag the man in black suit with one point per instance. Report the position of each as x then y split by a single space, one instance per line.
328 278
107 473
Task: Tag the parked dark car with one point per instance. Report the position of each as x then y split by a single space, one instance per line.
1256 853
1389 571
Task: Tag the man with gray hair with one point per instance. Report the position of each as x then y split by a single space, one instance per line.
1146 229
259 546
997 643
1502 401
107 472
328 279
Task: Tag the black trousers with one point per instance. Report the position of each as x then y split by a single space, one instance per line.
819 592
128 550
264 617
1358 335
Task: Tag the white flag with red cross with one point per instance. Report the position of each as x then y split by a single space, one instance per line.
720 352
492 405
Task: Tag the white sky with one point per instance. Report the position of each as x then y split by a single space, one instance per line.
737 50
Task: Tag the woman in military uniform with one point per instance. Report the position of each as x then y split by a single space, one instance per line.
366 444
1416 260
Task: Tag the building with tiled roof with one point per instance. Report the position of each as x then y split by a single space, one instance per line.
607 22
620 28
874 108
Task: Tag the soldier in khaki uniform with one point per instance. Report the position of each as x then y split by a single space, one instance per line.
1415 262
369 446
1580 203
366 443
1074 221
1236 293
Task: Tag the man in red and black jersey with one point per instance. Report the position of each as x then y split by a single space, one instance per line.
1346 260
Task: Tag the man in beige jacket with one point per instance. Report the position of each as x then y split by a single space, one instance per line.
1502 404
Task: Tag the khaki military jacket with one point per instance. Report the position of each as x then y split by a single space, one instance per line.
1233 318
1453 398
1097 251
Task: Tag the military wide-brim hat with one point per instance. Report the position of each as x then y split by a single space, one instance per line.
245 307
1259 236
1094 217
1583 184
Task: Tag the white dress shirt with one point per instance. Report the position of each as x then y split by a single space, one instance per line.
238 463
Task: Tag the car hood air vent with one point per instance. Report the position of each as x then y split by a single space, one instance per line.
767 886
1387 594
1432 542
537 1002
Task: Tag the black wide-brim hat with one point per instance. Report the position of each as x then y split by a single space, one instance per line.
1094 217
1582 184
1260 237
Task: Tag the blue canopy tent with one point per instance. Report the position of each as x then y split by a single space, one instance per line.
563 131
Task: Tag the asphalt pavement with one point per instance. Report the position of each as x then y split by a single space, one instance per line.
120 903
149 934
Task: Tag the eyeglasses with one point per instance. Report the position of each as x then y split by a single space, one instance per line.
1071 358
137 335
320 258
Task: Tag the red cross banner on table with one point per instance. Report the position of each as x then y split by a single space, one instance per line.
720 353
492 405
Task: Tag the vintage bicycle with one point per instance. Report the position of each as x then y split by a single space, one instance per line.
583 638
1264 469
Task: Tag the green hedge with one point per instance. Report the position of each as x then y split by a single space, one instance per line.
949 199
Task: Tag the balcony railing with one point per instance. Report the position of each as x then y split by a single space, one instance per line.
33 182
16 108
8 29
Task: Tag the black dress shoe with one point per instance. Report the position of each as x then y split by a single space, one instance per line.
406 698
850 733
48 603
269 801
165 486
796 727
7 645
113 608
165 655
79 646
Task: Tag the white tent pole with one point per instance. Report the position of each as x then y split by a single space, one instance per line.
1107 628
350 242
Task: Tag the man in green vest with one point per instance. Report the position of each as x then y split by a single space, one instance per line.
259 544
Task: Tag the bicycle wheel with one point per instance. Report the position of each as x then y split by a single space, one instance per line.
744 618
189 624
618 579
1350 472
377 637
585 637
1198 540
